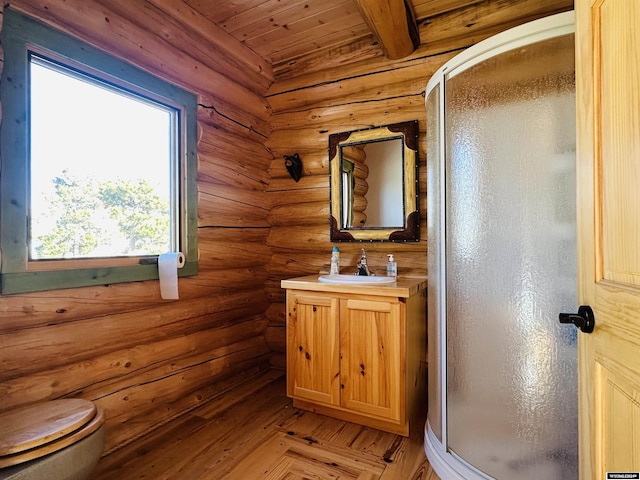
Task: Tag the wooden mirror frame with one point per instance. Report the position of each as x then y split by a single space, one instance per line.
408 132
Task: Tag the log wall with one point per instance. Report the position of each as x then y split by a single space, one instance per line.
304 115
143 359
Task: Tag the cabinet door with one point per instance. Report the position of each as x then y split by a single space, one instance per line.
312 348
372 374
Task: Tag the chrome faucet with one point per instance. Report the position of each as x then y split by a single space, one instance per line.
363 268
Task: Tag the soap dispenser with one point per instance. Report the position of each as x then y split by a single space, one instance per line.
335 261
392 267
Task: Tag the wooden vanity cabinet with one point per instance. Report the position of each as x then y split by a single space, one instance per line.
357 355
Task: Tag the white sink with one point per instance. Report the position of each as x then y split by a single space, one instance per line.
355 279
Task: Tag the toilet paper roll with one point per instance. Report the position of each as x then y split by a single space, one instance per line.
168 265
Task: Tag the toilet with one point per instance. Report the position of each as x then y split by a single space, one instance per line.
55 440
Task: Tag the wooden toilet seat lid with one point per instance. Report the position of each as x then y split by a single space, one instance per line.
35 425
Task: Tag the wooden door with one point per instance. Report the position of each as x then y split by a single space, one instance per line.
608 156
372 341
312 348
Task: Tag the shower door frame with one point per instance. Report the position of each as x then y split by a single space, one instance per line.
445 462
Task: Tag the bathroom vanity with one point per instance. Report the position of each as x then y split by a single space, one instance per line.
358 352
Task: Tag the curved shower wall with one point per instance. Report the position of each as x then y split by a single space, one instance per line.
502 257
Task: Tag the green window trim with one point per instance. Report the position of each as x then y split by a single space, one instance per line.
19 36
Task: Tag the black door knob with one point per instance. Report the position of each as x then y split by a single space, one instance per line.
584 319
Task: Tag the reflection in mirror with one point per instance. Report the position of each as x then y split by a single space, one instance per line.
385 206
348 181
374 184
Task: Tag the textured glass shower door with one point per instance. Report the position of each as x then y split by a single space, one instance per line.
510 263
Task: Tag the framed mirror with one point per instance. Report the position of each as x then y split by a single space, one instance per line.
374 184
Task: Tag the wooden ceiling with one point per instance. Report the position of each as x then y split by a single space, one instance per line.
283 32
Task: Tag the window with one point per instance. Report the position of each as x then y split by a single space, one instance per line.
98 162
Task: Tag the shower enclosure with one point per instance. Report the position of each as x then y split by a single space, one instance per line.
502 258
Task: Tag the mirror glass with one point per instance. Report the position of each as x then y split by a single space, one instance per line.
374 184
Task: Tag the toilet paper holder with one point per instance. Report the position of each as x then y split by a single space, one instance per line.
154 261
149 261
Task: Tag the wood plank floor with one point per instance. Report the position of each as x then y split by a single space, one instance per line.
254 432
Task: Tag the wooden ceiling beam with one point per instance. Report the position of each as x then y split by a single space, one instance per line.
393 24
